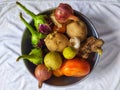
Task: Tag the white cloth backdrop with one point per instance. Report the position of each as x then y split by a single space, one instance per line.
105 15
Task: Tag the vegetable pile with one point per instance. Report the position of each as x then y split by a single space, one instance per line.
61 46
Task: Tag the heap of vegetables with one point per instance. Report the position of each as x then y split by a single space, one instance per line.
64 36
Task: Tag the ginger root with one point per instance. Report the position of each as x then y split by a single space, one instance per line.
92 44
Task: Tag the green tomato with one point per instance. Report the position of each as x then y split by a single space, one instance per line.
53 60
69 53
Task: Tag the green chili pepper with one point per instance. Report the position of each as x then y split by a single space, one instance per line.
35 56
36 36
38 19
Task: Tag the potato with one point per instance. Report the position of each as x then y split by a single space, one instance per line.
77 29
56 41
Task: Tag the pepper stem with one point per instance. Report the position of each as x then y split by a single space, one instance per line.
23 56
31 29
26 10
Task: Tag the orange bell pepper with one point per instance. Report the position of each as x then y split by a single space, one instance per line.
58 73
75 67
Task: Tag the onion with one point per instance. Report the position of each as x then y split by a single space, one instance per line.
64 12
41 43
45 28
49 22
42 74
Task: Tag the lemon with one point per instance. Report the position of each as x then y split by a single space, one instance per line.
69 52
53 60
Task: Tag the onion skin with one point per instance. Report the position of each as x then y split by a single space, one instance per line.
42 74
61 30
64 12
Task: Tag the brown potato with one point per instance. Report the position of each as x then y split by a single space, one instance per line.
77 29
56 41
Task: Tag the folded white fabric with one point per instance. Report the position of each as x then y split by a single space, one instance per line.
104 14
